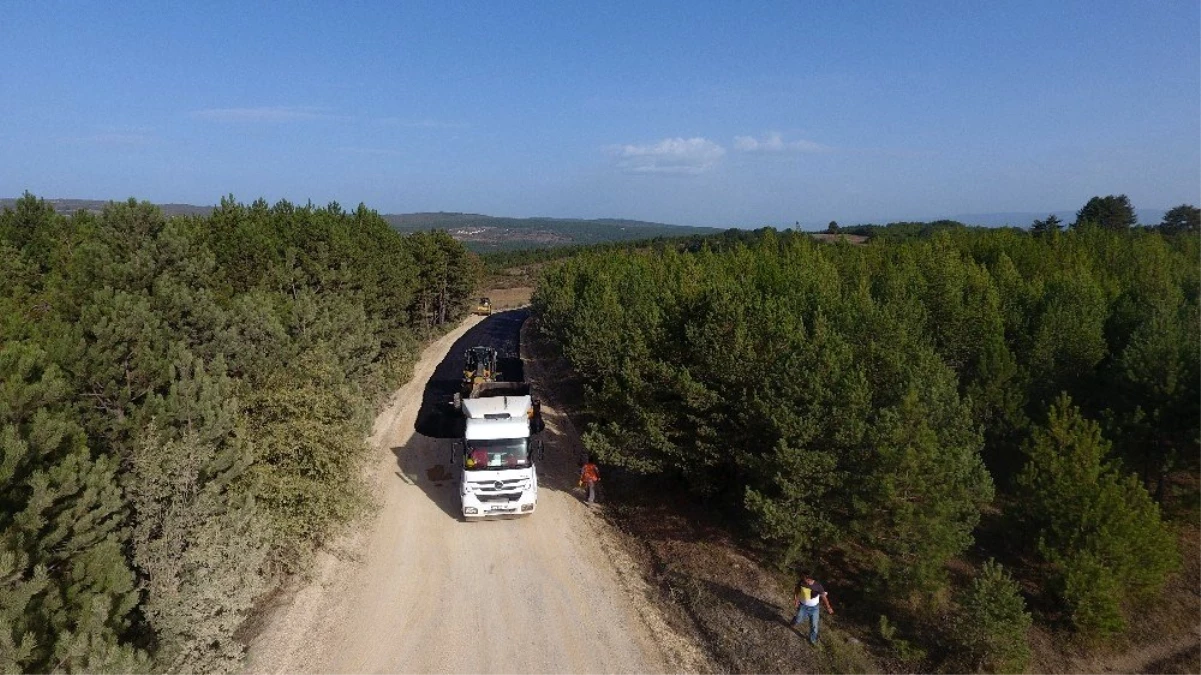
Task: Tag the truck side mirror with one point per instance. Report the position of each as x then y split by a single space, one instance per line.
456 449
541 451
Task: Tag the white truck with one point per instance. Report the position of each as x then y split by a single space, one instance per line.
498 475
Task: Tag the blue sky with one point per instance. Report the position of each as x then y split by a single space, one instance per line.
699 113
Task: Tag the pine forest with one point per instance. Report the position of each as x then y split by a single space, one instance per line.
1021 399
183 407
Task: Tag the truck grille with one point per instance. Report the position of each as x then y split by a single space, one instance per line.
504 490
496 497
496 485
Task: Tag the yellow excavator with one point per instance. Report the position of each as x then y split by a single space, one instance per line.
482 379
479 373
479 367
485 307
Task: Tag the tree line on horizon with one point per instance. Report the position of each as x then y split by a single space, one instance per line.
1112 212
183 407
862 408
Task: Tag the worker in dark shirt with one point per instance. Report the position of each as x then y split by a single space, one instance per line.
809 596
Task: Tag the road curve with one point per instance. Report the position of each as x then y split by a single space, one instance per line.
421 591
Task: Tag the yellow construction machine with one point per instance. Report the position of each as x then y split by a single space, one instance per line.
480 372
485 307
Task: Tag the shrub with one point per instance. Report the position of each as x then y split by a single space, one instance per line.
990 628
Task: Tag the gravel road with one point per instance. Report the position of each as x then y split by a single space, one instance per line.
418 590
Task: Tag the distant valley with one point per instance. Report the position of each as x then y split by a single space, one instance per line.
490 233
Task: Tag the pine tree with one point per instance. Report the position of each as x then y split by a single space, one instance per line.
68 590
1051 227
199 541
23 224
920 487
308 443
1183 218
1098 528
1109 213
990 628
1154 376
199 545
1067 336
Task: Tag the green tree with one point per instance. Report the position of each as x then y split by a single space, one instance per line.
308 446
26 223
1183 218
1109 213
199 547
919 490
1098 528
843 394
182 407
990 628
67 588
1154 382
197 542
1066 335
1048 227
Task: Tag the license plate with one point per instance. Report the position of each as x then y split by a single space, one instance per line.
502 509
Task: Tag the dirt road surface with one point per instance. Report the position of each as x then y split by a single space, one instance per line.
418 590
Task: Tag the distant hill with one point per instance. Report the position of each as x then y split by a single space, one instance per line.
97 205
490 233
479 233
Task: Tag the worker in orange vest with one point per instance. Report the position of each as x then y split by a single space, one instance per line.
590 476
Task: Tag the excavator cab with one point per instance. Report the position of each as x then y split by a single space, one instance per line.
479 365
479 371
485 307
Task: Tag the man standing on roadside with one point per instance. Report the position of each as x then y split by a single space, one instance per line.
809 595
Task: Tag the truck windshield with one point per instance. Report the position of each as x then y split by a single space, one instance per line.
502 453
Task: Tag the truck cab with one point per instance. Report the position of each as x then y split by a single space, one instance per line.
497 457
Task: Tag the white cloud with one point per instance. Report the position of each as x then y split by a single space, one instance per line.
774 142
265 114
670 155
